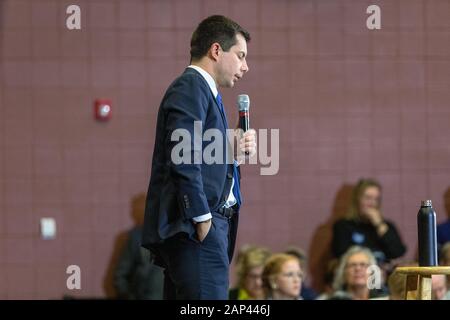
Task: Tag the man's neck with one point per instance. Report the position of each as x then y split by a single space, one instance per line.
207 67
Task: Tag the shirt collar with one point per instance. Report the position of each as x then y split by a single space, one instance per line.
208 78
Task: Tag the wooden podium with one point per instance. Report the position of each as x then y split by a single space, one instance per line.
418 281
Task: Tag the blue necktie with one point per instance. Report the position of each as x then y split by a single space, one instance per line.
236 187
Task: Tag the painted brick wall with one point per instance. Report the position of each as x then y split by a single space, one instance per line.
349 102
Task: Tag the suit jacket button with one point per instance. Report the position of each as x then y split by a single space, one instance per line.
229 176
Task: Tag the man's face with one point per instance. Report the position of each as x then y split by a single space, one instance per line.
232 65
439 286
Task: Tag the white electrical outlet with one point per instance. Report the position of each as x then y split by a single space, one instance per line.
48 228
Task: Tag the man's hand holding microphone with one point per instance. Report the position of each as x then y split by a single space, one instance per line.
245 139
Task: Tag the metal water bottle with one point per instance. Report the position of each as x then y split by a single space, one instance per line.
426 227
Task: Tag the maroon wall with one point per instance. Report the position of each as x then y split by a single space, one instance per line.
349 102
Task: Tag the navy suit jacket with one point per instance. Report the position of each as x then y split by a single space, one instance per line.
179 192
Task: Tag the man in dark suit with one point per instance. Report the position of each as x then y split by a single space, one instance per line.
192 205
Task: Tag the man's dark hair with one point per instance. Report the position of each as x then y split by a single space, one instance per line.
218 29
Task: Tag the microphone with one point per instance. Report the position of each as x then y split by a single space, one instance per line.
243 102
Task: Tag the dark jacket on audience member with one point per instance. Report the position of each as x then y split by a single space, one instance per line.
136 277
347 233
443 232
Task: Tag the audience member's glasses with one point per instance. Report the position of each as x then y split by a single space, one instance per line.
355 265
254 276
292 275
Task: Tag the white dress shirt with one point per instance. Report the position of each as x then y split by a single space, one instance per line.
231 201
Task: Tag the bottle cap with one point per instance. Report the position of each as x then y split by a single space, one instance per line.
426 203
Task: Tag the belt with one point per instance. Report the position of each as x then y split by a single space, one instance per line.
227 212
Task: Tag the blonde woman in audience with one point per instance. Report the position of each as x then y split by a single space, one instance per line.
366 225
250 266
351 279
282 277
397 281
397 286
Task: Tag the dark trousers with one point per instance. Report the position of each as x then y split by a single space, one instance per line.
199 270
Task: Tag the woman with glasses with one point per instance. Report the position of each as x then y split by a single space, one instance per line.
351 280
282 277
250 265
365 225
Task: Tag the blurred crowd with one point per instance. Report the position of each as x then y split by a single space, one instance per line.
366 248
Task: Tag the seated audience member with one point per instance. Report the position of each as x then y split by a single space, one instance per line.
328 280
351 281
365 225
397 282
136 277
439 287
250 266
307 293
397 286
443 232
444 258
282 277
444 255
443 229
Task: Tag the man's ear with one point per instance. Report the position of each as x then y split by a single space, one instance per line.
214 51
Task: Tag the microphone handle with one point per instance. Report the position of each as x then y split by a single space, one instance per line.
244 123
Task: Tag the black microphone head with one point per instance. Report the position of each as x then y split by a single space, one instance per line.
243 102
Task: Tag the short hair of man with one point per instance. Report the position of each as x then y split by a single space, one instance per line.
213 29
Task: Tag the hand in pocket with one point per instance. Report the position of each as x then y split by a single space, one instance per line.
203 228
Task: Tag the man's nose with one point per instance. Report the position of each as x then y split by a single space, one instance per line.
245 67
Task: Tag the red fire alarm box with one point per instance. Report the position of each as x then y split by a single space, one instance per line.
102 109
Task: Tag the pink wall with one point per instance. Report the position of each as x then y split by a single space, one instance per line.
349 102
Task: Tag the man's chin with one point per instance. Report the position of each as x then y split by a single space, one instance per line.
227 85
230 84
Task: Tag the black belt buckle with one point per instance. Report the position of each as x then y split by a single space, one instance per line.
226 212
